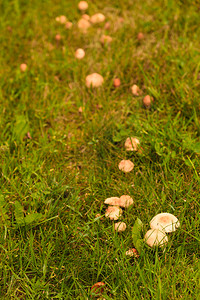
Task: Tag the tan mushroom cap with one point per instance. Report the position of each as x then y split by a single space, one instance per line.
61 19
68 25
86 17
105 39
126 166
83 5
23 67
155 237
147 101
94 80
131 144
165 221
97 18
80 53
120 226
123 201
83 24
135 90
113 212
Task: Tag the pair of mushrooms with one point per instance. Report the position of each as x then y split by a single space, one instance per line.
160 225
131 144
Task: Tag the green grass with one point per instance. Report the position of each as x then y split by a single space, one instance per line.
52 245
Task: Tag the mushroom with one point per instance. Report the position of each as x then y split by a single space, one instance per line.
126 166
120 226
83 5
98 288
132 252
68 25
140 36
131 144
135 90
165 221
113 212
80 53
117 82
86 17
23 67
94 80
61 19
147 101
83 24
58 37
105 39
125 201
97 18
155 237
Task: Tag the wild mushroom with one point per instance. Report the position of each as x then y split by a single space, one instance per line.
86 17
94 80
80 53
97 18
61 19
68 25
113 201
131 144
113 212
83 24
120 226
117 82
23 67
155 237
132 252
83 5
126 166
165 221
125 201
105 39
147 101
135 90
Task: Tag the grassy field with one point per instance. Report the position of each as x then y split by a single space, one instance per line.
61 143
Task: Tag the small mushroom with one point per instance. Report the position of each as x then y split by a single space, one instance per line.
86 17
80 53
117 82
68 25
83 24
135 90
23 67
58 37
131 144
125 201
120 226
147 101
126 166
113 212
97 18
83 5
105 39
94 80
165 221
132 252
155 237
140 36
61 19
113 201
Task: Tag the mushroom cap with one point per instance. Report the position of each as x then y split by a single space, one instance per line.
83 5
80 53
61 19
94 80
83 24
120 226
117 82
105 39
147 101
113 212
23 67
132 252
135 90
86 17
113 201
126 166
131 144
155 237
68 25
165 222
125 201
97 18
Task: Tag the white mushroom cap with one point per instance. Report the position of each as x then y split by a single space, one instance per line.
165 221
123 201
155 237
86 17
131 144
113 212
83 24
83 5
80 53
135 90
94 80
120 226
97 18
126 166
